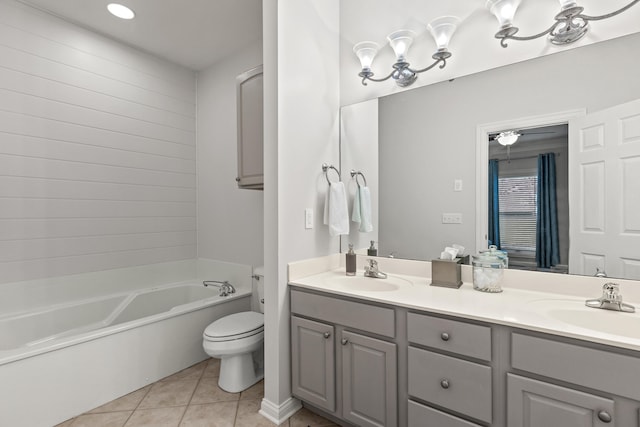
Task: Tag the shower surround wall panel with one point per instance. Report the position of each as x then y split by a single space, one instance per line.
97 151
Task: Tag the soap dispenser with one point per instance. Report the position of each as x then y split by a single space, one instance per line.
351 261
372 251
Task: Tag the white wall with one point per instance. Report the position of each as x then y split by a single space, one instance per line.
428 135
97 151
301 132
230 220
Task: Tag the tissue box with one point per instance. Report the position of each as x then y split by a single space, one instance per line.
446 273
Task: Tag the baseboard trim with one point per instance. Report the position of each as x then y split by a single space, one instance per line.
278 414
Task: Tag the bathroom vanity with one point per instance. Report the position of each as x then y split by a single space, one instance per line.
414 355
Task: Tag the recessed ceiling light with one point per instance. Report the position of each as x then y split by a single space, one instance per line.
120 11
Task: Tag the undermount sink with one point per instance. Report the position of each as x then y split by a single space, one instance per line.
574 312
367 284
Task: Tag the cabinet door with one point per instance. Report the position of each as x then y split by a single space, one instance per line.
249 94
369 381
313 362
534 403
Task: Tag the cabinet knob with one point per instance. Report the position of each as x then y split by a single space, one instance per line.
327 335
237 179
444 384
445 336
344 341
604 416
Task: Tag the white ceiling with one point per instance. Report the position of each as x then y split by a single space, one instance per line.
192 33
197 33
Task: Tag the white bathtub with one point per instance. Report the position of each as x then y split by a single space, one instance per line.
71 357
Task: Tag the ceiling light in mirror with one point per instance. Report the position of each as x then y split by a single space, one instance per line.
507 138
120 11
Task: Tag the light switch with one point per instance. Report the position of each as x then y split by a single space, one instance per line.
457 185
452 218
308 218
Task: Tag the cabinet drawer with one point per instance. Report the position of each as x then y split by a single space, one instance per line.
598 369
420 416
461 386
451 335
378 320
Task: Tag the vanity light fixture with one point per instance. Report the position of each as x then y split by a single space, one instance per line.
441 29
507 138
570 23
121 11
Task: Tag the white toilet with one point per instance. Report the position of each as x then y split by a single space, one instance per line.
238 341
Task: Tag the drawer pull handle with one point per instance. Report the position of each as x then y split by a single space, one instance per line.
445 336
604 416
444 384
327 335
344 341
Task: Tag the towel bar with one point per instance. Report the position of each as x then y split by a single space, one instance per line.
325 169
355 173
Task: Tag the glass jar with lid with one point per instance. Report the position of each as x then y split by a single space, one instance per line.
488 270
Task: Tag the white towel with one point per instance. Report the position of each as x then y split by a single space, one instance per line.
362 209
336 212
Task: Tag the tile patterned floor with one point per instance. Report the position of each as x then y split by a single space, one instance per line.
190 398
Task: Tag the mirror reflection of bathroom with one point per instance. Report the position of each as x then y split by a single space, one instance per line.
528 196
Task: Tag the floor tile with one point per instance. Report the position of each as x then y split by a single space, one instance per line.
158 417
169 393
306 418
221 414
248 415
209 392
254 392
212 369
191 373
109 419
128 402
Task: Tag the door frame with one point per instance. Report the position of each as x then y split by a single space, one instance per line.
482 158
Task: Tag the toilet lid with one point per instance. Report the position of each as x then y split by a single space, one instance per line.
232 326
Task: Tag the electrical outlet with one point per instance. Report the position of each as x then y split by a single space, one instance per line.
308 218
452 218
457 185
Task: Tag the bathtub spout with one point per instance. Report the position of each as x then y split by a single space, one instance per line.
226 288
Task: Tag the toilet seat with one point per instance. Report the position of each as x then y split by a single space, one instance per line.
235 326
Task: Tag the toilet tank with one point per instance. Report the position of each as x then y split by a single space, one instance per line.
257 303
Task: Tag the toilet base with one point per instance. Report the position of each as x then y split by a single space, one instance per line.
239 372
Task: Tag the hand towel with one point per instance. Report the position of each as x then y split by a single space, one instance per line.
362 209
336 212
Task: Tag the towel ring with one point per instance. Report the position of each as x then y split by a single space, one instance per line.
355 174
325 169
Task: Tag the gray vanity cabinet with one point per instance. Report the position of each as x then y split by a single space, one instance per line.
352 375
313 364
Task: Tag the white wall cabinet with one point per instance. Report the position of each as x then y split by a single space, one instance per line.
249 98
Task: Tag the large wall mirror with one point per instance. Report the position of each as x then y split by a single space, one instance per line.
431 154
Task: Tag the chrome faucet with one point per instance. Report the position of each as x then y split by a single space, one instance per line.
610 299
226 288
372 270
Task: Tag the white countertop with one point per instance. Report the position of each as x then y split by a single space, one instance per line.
550 312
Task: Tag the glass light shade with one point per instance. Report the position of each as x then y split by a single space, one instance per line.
121 11
442 29
507 138
400 41
565 4
504 10
366 51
